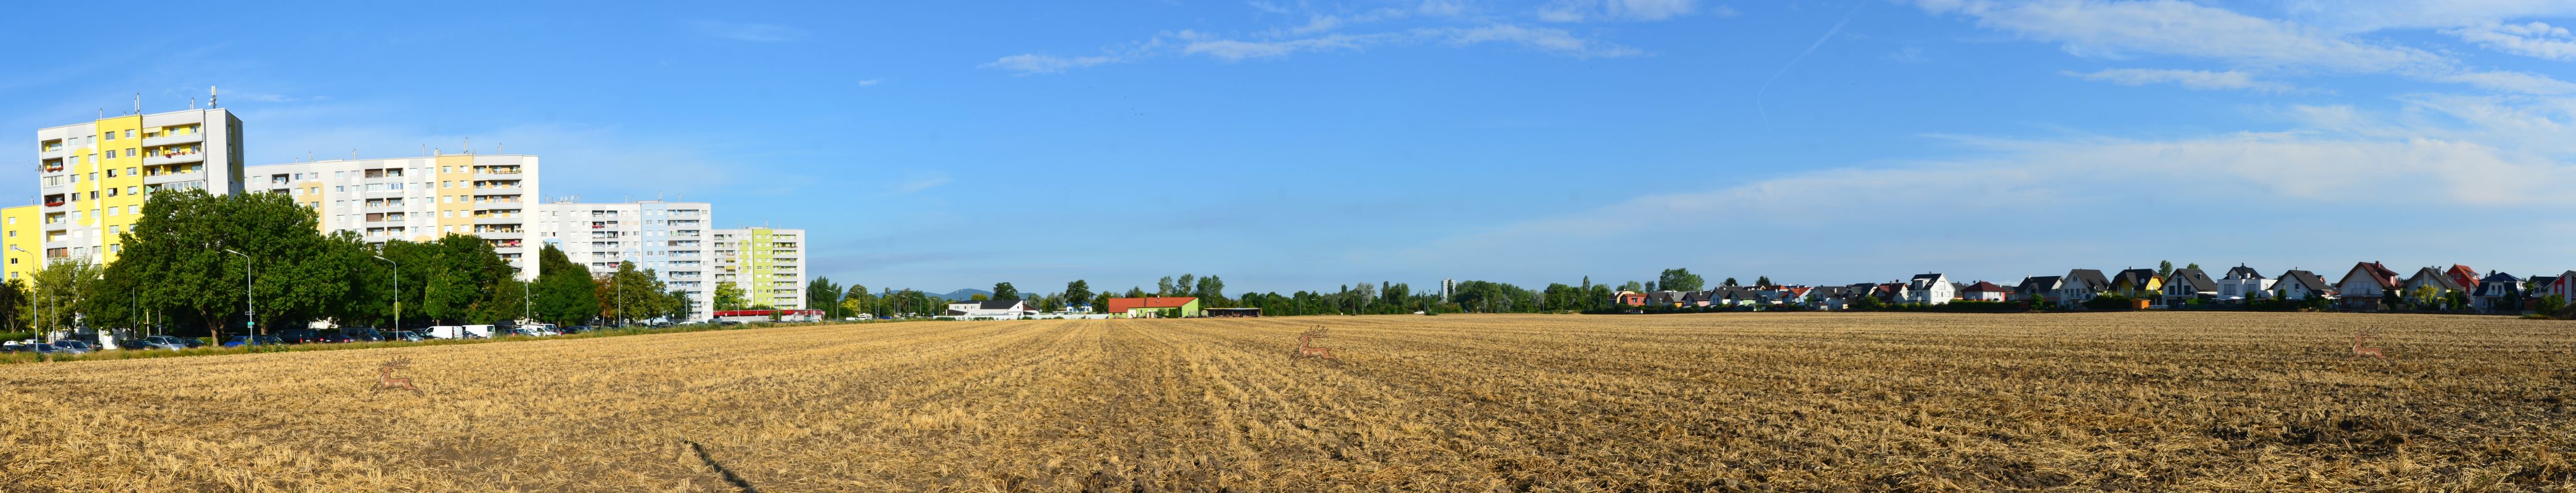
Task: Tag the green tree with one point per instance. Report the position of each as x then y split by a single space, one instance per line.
1077 292
729 296
1679 280
1211 288
1004 291
640 292
1631 286
1184 286
14 300
2164 268
180 259
565 292
62 291
823 294
857 301
1730 282
1163 287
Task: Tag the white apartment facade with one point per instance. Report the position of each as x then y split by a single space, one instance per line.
768 263
674 239
488 196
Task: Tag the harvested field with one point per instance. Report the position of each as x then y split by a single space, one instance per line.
1762 402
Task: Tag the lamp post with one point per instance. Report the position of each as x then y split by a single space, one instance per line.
397 290
250 314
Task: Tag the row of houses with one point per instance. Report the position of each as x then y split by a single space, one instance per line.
2367 286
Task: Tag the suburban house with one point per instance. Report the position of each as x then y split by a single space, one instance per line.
2497 291
2534 289
1734 296
1930 289
1155 307
988 309
1665 299
1695 298
1891 293
1828 297
2299 285
2441 282
1985 291
2563 287
2080 286
2365 284
2044 287
2186 284
2464 276
1631 298
2137 283
2243 283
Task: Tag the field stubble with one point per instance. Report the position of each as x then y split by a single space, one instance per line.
1787 402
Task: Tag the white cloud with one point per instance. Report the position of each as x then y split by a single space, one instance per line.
2116 30
1267 7
1543 39
1031 63
2521 82
2193 79
1238 50
1619 10
747 31
2080 199
2535 39
870 82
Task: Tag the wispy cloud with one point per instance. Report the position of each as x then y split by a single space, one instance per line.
1618 10
1326 32
747 31
870 82
1032 63
2118 30
2193 79
920 183
2535 39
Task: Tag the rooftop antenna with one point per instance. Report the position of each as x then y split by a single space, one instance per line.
138 103
469 145
210 97
192 102
500 148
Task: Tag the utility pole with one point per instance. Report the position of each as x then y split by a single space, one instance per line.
250 313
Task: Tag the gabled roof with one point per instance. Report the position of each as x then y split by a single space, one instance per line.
1985 287
2463 276
2438 279
2540 283
1695 296
2498 277
2134 277
2090 278
2037 284
2387 279
1926 277
2240 271
2306 280
1121 305
2198 280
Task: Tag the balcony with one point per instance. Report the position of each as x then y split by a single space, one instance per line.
497 171
500 220
174 158
188 138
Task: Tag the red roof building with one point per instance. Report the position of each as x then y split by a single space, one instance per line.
1181 306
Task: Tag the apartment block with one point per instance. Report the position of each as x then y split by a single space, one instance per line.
674 239
768 263
488 196
94 175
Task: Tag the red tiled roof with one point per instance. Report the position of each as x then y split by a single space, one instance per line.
1988 287
1121 305
2466 277
2387 278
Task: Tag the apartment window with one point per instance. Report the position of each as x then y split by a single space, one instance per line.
129 134
339 174
111 136
93 176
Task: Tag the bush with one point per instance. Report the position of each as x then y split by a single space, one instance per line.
2108 301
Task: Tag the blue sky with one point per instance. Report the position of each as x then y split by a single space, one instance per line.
1306 145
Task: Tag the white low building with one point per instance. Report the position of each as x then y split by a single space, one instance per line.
988 310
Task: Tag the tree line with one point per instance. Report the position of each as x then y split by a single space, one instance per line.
197 263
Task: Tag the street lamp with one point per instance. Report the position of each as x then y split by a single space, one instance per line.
250 314
397 290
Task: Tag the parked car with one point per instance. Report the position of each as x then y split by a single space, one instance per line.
237 341
190 341
333 337
75 347
404 335
169 342
298 336
363 334
38 348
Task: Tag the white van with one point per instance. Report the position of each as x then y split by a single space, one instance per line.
461 331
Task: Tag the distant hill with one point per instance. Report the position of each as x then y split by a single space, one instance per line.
965 294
